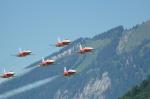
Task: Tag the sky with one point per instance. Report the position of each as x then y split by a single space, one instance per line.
35 24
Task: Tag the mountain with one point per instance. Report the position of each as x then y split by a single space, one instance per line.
141 91
119 62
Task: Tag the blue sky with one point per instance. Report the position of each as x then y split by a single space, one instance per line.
34 24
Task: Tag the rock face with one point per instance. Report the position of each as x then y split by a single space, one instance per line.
94 89
120 61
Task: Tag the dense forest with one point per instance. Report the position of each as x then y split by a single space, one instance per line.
141 91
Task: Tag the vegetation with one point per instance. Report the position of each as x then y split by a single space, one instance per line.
141 91
120 60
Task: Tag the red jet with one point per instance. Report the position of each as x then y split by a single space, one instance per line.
85 49
23 53
46 62
62 43
7 74
69 72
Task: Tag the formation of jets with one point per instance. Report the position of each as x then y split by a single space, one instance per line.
69 72
59 43
23 53
7 74
46 62
62 43
85 49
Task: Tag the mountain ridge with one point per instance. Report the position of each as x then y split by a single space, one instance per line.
114 66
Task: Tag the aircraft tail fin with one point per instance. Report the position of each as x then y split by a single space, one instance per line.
80 46
58 39
42 59
20 49
4 70
65 69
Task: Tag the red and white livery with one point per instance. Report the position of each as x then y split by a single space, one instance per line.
69 72
46 62
7 74
62 43
23 53
83 50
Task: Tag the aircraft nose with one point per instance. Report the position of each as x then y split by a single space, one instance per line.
92 48
52 60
